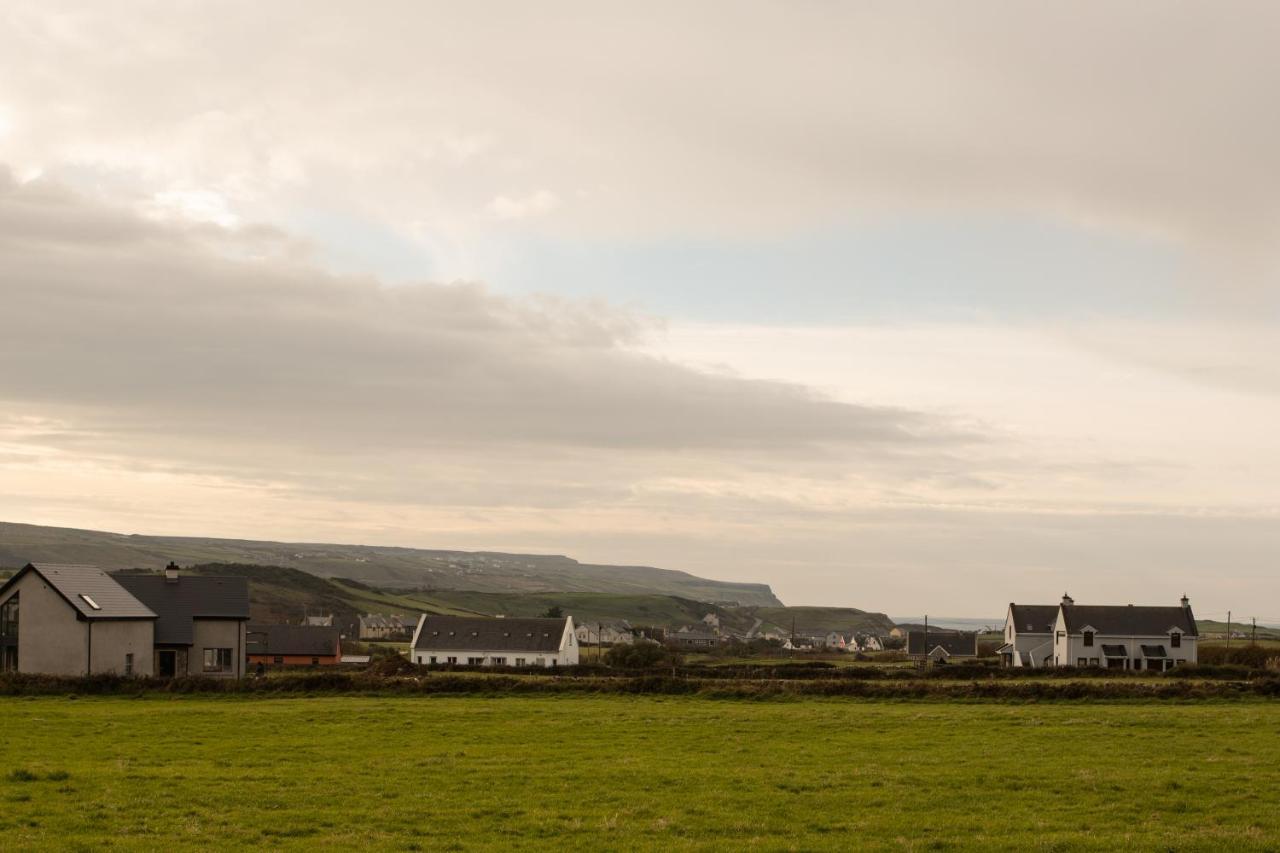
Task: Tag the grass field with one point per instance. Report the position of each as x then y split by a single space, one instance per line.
635 773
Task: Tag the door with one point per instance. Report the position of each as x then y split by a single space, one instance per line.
166 663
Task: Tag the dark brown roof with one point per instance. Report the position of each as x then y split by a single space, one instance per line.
964 644
1129 621
304 640
83 587
190 597
1034 618
483 633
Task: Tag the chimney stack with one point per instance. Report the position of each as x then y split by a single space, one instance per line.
1186 602
171 572
1068 600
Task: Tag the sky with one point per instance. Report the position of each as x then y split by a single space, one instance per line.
912 307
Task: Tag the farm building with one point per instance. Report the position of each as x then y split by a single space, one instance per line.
1124 636
60 619
495 641
940 647
294 645
1028 635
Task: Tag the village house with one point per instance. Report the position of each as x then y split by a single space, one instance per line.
835 641
608 634
376 626
294 645
694 637
61 619
940 647
1124 636
495 641
1028 635
868 643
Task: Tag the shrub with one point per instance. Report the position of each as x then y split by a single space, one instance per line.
641 656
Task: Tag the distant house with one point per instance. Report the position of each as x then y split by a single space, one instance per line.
200 624
712 621
693 637
835 640
1124 636
319 621
942 647
63 619
869 643
801 644
609 634
294 645
897 632
376 626
1028 635
495 641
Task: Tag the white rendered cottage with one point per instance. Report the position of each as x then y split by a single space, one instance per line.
1124 636
1028 635
495 641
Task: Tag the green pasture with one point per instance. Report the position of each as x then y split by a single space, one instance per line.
634 773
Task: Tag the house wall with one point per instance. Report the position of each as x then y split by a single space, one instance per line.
51 640
564 657
217 634
111 640
293 660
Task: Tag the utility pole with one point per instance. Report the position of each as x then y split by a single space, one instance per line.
1254 639
1228 629
926 641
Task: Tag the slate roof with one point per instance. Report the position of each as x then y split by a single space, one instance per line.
177 603
481 633
1034 618
1129 621
1153 652
304 640
955 644
1109 651
74 581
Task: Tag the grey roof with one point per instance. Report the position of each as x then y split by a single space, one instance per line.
1153 652
963 644
190 597
1109 651
1129 621
485 633
74 582
305 640
1034 618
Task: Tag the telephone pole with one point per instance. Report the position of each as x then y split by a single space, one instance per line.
1228 629
1253 641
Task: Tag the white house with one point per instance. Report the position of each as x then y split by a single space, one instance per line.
495 641
1028 635
1124 636
611 634
835 640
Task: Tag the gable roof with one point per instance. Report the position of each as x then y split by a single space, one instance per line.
303 640
1033 618
83 586
190 597
489 633
1129 621
962 643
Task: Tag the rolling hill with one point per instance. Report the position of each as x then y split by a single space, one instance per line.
820 620
372 565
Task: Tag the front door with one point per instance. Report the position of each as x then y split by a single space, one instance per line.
166 663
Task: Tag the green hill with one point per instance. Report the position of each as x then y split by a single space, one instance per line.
376 566
820 620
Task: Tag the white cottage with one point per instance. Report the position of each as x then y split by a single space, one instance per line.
495 641
1028 635
1124 636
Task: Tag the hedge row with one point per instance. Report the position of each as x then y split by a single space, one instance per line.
427 684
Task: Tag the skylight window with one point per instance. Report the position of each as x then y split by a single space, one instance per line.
89 601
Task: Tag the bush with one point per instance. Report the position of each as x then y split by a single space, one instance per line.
641 656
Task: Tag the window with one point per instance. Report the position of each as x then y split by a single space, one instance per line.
1093 661
475 661
519 661
89 601
278 660
451 660
1062 635
1088 638
1082 661
128 664
9 634
315 661
432 659
499 661
1175 640
217 660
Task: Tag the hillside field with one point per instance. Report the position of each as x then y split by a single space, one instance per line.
643 772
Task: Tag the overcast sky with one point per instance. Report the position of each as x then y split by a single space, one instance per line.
909 307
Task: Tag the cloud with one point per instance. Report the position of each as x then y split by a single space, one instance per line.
537 204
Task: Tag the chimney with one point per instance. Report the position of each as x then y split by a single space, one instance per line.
1186 602
171 572
1068 600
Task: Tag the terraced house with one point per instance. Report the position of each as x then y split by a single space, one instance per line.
71 619
1125 636
495 641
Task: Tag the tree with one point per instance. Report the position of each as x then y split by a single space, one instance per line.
554 612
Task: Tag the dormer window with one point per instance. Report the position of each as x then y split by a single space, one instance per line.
1175 640
89 601
1088 638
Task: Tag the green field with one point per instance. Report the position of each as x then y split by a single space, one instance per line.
635 773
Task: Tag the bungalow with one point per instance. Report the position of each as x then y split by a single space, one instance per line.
61 619
375 626
1124 636
691 637
940 647
495 641
294 645
1028 635
613 634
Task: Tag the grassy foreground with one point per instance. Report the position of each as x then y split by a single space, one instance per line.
645 772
